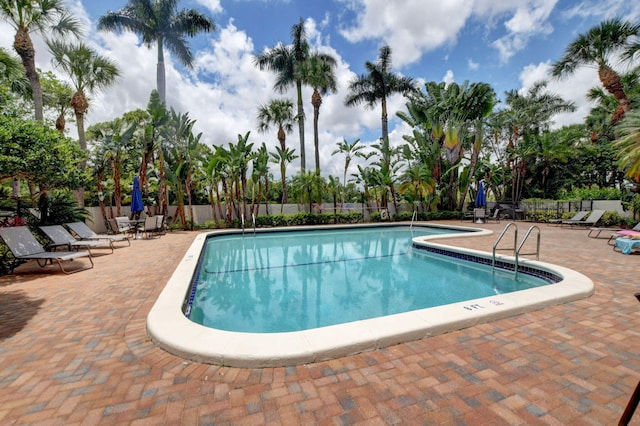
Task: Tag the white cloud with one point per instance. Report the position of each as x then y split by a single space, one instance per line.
212 5
410 27
573 88
472 65
415 27
529 19
448 77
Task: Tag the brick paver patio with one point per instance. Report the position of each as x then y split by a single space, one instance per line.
73 350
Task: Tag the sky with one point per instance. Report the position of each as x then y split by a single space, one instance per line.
509 44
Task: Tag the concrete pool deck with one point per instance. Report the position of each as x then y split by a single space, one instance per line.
171 330
74 350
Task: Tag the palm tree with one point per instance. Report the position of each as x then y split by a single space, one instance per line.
349 150
160 22
597 47
37 16
318 72
57 95
283 157
377 85
88 71
260 174
12 74
629 144
278 112
285 62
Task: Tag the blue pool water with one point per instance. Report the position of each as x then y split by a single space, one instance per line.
297 280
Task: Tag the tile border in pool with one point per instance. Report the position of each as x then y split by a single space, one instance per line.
171 330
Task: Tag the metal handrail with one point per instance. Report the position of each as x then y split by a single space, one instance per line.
524 240
414 216
495 245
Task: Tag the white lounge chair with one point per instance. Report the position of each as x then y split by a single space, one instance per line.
24 246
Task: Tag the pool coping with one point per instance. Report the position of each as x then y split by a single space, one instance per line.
171 330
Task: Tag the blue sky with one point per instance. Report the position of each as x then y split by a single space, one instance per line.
506 43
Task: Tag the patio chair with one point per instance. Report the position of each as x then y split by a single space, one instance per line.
495 216
592 220
24 246
160 224
59 236
578 216
595 232
479 215
150 226
85 233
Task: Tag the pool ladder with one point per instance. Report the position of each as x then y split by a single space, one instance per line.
253 219
517 248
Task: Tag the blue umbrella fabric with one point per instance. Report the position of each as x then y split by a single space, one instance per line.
481 199
136 197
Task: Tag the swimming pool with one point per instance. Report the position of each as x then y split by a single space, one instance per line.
170 328
294 281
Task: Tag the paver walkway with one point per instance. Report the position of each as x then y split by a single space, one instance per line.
73 350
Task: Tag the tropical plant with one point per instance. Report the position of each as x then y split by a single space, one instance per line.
57 95
349 150
318 72
285 62
629 144
599 46
160 22
308 188
279 113
88 71
46 17
377 85
283 157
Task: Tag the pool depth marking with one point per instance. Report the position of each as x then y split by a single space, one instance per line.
170 329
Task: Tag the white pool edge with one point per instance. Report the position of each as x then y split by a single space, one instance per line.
172 331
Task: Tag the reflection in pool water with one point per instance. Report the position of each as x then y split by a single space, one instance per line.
290 281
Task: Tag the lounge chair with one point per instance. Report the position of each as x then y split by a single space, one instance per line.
59 236
578 216
595 232
85 233
24 246
592 220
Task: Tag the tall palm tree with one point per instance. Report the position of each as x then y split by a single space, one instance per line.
377 85
36 16
349 150
285 62
598 47
318 72
160 22
278 112
88 71
260 176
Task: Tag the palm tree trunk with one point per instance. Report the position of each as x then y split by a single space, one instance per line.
300 119
24 47
316 101
613 84
160 74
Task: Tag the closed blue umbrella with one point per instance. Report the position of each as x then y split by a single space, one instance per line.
136 197
481 199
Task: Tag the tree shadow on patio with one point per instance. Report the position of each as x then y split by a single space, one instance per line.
16 310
